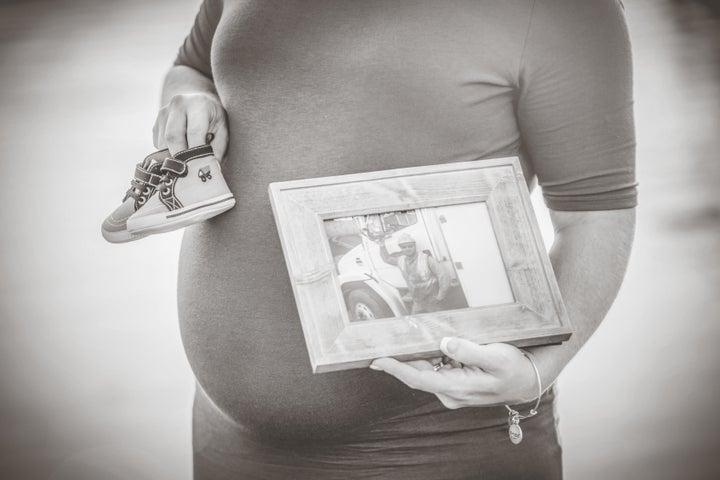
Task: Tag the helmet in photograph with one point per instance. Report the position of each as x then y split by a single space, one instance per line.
405 238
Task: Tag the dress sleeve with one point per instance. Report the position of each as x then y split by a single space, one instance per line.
195 51
575 106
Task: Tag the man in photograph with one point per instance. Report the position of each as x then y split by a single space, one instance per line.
427 280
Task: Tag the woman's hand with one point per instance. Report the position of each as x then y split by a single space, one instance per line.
477 376
187 120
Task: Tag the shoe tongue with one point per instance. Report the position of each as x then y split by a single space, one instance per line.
155 158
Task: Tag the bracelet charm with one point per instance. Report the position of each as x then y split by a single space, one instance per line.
514 431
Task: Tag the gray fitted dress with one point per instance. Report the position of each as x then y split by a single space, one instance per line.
327 87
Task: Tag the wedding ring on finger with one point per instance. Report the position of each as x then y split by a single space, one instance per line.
444 361
455 364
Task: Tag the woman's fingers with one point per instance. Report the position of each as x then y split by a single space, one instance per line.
198 125
490 358
187 120
425 379
176 131
428 364
479 375
159 129
220 141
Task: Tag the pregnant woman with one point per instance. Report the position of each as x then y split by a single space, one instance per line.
299 89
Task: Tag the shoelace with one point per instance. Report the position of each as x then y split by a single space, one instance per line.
175 167
140 189
137 190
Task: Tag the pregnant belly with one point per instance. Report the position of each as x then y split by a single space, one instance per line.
244 340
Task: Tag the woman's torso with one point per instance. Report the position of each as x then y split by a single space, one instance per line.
318 88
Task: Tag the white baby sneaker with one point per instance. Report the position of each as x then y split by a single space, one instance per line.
142 186
192 189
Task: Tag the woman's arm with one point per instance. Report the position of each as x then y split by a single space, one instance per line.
590 255
191 108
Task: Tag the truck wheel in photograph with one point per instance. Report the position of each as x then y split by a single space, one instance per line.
367 305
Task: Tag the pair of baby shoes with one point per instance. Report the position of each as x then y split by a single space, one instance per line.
169 192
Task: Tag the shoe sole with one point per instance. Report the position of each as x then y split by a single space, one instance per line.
176 219
121 236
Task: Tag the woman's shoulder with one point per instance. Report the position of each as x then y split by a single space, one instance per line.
565 29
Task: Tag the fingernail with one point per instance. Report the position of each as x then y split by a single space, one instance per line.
448 344
374 367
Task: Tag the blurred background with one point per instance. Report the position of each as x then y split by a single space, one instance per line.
93 379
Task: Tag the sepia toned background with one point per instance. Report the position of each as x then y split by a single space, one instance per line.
93 379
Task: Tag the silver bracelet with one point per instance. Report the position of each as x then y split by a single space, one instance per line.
514 417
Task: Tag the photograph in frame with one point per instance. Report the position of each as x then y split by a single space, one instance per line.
425 260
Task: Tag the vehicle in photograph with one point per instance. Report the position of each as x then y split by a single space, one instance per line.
374 289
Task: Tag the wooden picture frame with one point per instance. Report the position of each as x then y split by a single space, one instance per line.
534 314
